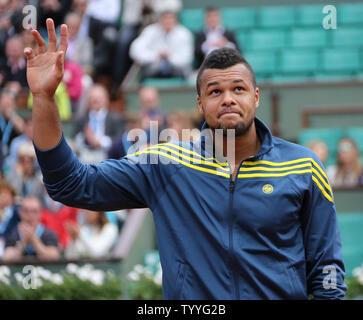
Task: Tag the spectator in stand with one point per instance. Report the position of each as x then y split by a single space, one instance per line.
27 136
150 111
13 66
11 124
348 169
150 107
80 47
79 62
72 78
103 24
1 163
92 240
80 7
180 121
56 216
55 9
121 144
320 148
214 36
6 27
25 179
31 238
9 216
136 15
164 49
95 131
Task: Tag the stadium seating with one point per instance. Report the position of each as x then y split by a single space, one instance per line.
347 36
267 39
278 29
165 83
309 38
300 61
193 19
350 225
309 15
263 63
239 18
277 16
350 13
341 60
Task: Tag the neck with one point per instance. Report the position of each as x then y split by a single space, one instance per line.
245 146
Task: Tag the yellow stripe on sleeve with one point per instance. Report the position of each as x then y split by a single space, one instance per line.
216 172
322 189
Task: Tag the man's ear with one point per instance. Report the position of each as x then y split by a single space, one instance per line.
200 106
257 98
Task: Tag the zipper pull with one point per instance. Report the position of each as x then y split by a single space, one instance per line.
231 186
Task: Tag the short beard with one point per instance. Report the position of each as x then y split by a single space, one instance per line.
239 130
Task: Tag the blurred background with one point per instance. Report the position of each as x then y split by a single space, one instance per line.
130 62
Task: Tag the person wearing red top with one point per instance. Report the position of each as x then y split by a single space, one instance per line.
55 216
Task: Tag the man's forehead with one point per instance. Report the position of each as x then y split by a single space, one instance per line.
232 74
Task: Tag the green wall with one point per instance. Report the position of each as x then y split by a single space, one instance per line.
242 3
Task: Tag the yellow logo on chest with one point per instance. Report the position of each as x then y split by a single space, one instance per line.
267 188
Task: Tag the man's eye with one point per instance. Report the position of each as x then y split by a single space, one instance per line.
239 89
215 91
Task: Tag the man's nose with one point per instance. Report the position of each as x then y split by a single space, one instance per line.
228 99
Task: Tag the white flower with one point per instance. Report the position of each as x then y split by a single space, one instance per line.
72 268
4 279
96 277
37 283
19 277
88 267
360 279
133 276
83 274
5 270
158 279
357 271
57 279
139 269
44 273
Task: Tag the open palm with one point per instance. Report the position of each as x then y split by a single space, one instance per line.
45 70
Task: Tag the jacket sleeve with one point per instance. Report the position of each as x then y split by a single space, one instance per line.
106 186
323 248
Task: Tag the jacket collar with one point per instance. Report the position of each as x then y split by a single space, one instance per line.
205 144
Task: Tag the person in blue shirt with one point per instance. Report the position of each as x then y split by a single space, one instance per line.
255 223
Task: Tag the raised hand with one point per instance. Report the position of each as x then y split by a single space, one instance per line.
45 70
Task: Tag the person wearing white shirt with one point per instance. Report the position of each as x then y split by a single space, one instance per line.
164 49
95 131
213 36
94 239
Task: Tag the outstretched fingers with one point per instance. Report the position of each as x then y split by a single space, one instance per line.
52 37
63 44
40 41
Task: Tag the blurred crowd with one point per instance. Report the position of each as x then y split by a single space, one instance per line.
347 171
106 37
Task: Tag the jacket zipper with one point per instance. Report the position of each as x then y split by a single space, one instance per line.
230 224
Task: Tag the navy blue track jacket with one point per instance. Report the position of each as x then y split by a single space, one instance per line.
270 234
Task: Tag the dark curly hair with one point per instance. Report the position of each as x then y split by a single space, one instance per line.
223 59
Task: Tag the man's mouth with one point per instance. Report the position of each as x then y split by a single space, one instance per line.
229 113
